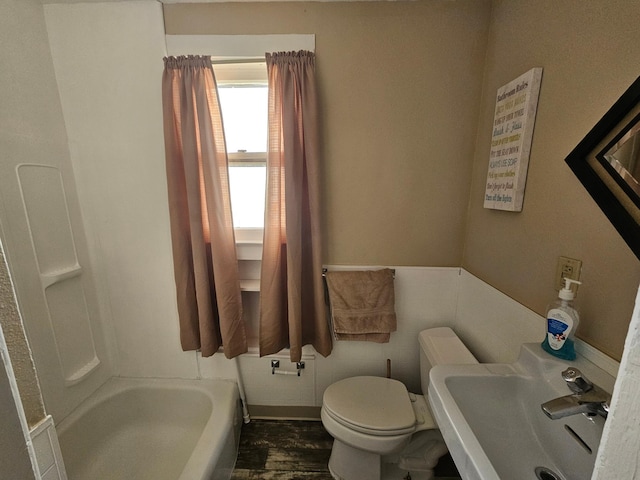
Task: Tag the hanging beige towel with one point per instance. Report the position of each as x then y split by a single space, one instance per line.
362 304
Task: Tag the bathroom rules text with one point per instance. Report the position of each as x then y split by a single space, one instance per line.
513 122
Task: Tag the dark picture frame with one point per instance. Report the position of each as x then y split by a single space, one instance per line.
612 188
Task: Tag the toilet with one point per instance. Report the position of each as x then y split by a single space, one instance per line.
379 428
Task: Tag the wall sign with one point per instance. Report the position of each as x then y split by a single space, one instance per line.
513 122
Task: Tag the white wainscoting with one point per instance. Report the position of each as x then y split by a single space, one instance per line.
490 323
425 297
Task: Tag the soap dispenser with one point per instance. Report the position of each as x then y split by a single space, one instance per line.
562 322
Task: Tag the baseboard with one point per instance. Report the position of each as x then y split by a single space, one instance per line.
284 412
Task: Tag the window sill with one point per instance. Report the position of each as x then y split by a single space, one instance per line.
249 243
249 253
250 285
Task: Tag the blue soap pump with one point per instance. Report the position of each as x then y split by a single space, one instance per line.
562 322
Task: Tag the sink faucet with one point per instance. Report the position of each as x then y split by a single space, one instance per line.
586 398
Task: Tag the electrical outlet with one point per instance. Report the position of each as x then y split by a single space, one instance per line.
567 268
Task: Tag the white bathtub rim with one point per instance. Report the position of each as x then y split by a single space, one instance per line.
210 446
116 385
225 401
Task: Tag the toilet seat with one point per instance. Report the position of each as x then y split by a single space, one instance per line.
371 405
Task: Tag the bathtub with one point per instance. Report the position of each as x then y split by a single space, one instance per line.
139 429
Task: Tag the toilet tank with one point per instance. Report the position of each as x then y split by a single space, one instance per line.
440 346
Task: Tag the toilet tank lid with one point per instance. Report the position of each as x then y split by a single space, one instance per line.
443 347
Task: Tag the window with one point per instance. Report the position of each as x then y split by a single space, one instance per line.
242 89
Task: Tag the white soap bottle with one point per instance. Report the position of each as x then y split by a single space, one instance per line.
562 322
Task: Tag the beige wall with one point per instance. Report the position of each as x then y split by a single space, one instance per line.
30 121
589 53
400 89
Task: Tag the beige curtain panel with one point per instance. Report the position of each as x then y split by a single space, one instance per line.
292 308
204 254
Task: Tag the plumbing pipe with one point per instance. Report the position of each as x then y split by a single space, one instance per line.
243 396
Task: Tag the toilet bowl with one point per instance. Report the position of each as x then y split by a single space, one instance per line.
378 426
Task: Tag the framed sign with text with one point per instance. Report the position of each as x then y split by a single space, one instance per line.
513 122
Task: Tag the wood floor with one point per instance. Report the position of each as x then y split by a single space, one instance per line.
283 450
295 450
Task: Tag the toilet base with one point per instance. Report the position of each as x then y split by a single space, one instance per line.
348 463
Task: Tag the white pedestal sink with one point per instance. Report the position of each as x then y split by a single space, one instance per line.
492 422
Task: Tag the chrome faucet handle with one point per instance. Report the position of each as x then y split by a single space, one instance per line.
585 398
576 382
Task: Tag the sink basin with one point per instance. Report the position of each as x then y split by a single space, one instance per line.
491 419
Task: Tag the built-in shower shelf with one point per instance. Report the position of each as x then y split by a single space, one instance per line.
49 222
82 373
57 276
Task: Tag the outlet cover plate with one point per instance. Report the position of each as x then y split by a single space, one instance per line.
567 268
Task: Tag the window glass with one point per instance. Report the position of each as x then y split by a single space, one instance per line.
244 111
242 90
247 186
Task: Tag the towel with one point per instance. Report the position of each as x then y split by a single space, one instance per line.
362 304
